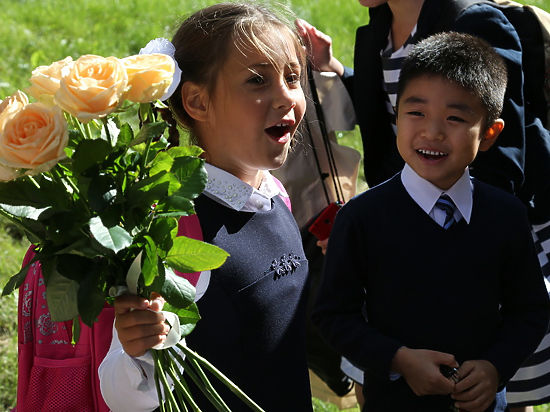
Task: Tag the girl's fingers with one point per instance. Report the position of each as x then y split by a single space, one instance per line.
137 318
127 303
138 347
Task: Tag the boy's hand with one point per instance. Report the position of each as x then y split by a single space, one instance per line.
323 245
319 48
139 323
420 368
477 387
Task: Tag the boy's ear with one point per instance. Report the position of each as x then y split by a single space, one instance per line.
195 100
491 134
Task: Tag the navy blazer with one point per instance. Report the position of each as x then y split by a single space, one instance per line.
503 164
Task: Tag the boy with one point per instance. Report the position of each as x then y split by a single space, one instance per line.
456 285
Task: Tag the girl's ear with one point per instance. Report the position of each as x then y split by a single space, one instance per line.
491 135
195 100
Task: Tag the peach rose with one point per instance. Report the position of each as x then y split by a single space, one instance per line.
149 76
33 138
11 105
45 80
91 87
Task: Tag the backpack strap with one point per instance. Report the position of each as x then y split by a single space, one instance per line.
284 196
190 226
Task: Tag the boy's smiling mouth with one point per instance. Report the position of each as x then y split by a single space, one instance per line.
431 154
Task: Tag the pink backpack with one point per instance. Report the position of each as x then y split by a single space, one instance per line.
53 374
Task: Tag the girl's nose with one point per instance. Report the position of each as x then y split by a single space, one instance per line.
284 98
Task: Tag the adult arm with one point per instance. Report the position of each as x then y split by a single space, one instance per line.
503 165
525 308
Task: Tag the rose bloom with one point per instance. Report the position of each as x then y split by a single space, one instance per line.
91 87
149 76
11 105
45 80
33 138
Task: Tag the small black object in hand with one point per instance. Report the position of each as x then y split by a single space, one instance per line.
449 373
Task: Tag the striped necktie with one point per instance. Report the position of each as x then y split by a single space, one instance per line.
447 205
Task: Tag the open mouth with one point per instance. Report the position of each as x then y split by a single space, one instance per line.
431 154
279 132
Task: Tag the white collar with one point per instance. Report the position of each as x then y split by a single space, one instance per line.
425 194
232 192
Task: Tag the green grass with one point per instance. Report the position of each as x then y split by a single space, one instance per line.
38 32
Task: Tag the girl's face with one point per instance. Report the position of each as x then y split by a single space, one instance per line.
253 114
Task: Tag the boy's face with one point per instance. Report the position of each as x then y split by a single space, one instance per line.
440 127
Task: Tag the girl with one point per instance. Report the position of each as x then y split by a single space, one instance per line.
240 96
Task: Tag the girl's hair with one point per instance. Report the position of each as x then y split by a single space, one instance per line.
205 39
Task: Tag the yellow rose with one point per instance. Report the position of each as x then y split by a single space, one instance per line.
149 76
45 80
33 138
91 87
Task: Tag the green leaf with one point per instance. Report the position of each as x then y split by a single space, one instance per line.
113 132
16 280
102 192
22 192
163 230
150 261
149 131
114 238
89 153
90 299
24 211
188 316
61 294
177 290
73 267
189 255
181 151
182 206
76 331
192 175
126 135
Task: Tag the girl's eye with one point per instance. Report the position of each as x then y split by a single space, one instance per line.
256 80
293 78
415 113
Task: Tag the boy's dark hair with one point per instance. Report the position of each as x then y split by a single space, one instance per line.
465 60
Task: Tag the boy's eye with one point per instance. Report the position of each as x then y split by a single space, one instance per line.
415 113
456 119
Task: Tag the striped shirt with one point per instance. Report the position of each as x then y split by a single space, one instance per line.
391 67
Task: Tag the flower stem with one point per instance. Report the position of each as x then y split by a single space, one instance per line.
232 387
107 133
157 385
179 386
170 400
203 383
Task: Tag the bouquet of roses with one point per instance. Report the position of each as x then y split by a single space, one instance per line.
90 175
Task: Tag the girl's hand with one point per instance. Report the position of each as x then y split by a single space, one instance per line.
420 368
319 48
477 387
139 323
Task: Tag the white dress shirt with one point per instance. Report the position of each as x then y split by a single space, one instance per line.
126 382
425 194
